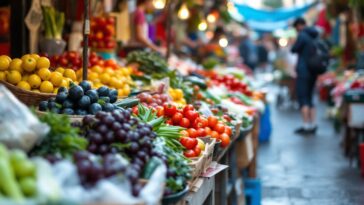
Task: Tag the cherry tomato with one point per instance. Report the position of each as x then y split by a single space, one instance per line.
188 142
189 153
135 110
220 128
204 122
187 108
201 132
228 130
191 115
208 131
177 117
169 122
225 140
215 134
197 151
227 118
169 109
160 111
192 132
212 120
184 133
185 123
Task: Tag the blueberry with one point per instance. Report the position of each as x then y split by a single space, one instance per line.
108 107
94 96
61 97
84 102
75 93
94 108
86 86
103 91
43 106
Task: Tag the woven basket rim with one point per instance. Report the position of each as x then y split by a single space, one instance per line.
15 88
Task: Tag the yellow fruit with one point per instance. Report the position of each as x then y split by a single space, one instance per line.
29 63
7 57
55 91
43 62
35 56
114 82
126 89
105 78
64 83
25 56
35 90
23 85
120 92
44 73
15 64
68 81
97 84
25 77
13 77
60 70
97 69
79 74
125 71
109 71
56 78
93 76
46 87
4 62
2 75
69 73
34 81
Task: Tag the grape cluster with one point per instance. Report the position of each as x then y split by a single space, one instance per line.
91 169
119 132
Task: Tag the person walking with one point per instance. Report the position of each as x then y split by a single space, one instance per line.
306 80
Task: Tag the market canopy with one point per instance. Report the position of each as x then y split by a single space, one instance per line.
267 20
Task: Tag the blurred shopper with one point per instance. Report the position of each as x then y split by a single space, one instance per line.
248 51
140 27
262 53
306 80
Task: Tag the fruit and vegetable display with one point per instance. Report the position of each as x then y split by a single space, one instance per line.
32 72
102 33
81 100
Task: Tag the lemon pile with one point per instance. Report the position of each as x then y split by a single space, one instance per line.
31 72
118 79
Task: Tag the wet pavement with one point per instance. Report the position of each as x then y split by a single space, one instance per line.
297 170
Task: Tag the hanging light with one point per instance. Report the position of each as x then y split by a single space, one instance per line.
183 12
211 18
223 42
283 42
159 4
202 26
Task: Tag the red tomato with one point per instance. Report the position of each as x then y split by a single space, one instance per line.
191 115
184 133
169 109
177 118
160 111
225 140
212 120
204 122
185 123
228 130
189 153
188 142
192 132
135 110
220 128
201 132
169 122
227 118
215 134
197 151
208 131
187 108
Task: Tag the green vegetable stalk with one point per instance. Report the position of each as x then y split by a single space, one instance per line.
53 22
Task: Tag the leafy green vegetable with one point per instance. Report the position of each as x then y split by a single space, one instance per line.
149 62
62 139
53 22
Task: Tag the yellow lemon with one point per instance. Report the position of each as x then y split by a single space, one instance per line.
120 92
97 69
2 75
64 83
97 84
34 81
7 57
56 78
60 70
25 77
43 62
4 62
25 56
44 73
35 90
114 82
13 77
69 73
79 74
105 78
46 87
35 56
126 89
109 71
68 82
29 63
15 64
55 91
92 76
23 85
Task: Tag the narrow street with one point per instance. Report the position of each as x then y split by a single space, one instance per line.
297 170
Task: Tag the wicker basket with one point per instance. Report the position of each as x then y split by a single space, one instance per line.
27 97
73 118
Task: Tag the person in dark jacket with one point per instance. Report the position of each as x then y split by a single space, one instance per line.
305 81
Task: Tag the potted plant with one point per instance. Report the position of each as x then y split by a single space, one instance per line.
53 22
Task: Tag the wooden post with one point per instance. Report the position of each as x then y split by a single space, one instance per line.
86 32
19 42
169 22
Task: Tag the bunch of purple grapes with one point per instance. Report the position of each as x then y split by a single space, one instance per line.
91 169
106 131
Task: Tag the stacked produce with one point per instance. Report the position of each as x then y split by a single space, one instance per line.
154 101
102 33
33 73
177 96
81 100
18 175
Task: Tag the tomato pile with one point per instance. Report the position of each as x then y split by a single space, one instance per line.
103 32
153 100
232 83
